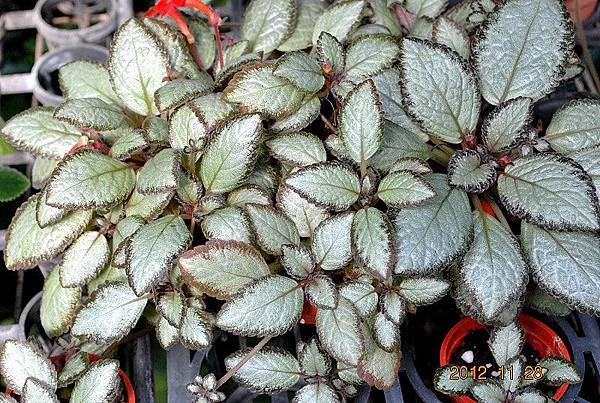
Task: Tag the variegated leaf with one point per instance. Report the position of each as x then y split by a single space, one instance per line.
369 55
270 370
429 73
304 116
467 171
339 19
331 54
189 190
390 94
84 259
268 23
493 270
378 367
59 305
74 367
589 159
91 113
444 225
565 264
321 292
488 391
156 130
550 191
88 179
133 141
268 306
332 243
301 38
445 383
393 307
100 383
312 360
160 173
297 148
42 171
423 290
506 124
452 35
37 132
257 89
147 206
230 155
177 92
196 328
86 79
506 342
135 50
305 215
152 250
19 360
187 128
426 8
361 122
27 244
213 109
531 396
362 295
373 242
559 371
539 300
301 70
297 261
404 189
109 314
222 268
526 59
227 224
316 393
171 306
36 391
397 143
411 164
573 127
327 184
272 228
248 194
204 39
340 333
46 215
386 334
166 334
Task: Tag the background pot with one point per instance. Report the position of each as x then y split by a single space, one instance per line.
84 11
45 70
586 8
539 336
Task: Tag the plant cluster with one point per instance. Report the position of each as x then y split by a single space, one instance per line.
294 175
516 381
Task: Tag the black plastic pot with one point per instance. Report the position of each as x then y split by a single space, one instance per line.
45 70
82 31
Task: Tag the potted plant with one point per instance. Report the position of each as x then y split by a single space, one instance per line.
503 370
244 187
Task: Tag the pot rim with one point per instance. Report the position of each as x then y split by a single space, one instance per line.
533 328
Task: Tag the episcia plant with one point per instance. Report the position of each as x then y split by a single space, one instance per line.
289 184
512 378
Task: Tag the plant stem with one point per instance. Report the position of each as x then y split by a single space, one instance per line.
244 360
328 124
584 47
476 203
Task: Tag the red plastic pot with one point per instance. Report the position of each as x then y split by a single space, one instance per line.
538 335
59 360
586 9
